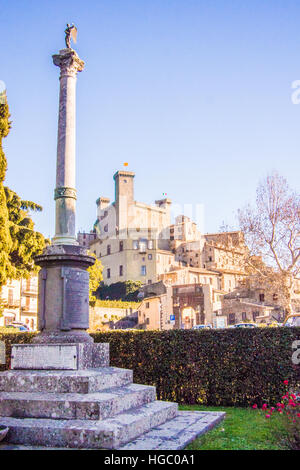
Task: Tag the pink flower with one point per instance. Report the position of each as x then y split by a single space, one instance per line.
268 416
272 409
298 414
279 410
293 396
254 406
264 407
285 382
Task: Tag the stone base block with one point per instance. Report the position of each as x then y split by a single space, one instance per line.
177 433
88 434
60 356
91 406
64 381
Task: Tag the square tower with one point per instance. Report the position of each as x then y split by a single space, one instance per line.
124 196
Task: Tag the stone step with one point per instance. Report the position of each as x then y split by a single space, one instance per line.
64 381
111 433
94 406
177 433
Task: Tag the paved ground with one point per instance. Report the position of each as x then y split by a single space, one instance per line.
173 435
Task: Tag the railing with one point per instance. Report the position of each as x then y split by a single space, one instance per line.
30 290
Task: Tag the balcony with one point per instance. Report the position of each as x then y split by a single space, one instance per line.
10 303
29 310
30 290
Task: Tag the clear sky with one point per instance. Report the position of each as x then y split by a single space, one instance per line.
195 95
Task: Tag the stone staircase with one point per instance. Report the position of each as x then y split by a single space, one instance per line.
98 408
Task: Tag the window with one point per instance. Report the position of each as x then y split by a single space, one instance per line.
143 270
255 314
10 296
121 246
149 281
150 245
147 304
108 273
275 296
135 244
143 246
108 249
121 270
261 297
244 316
231 318
210 258
150 256
147 321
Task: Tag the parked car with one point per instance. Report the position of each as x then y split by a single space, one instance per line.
200 327
18 323
245 325
292 320
18 327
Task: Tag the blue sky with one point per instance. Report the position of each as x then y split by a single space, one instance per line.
195 95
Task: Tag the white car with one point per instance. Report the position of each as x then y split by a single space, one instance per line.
200 327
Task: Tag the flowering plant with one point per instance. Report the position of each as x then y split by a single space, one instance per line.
289 409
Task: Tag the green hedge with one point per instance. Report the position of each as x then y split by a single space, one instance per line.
234 367
17 337
116 304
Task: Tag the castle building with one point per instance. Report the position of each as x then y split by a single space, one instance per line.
132 237
137 241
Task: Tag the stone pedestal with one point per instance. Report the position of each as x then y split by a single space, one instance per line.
71 356
63 301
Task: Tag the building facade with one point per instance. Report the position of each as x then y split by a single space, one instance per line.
19 302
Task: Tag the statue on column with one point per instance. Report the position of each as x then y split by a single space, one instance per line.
71 33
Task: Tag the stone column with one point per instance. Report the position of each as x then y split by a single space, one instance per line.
65 193
63 305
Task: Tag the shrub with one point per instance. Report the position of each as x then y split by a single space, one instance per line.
116 304
289 408
16 337
212 367
234 367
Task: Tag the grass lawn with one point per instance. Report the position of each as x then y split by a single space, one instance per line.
242 429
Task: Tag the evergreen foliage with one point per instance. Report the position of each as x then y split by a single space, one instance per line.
126 291
19 242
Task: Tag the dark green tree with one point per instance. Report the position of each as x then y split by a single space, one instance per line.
5 238
126 291
26 242
19 242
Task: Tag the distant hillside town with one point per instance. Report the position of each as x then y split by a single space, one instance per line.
188 278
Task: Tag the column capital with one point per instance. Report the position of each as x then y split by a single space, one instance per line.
69 62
